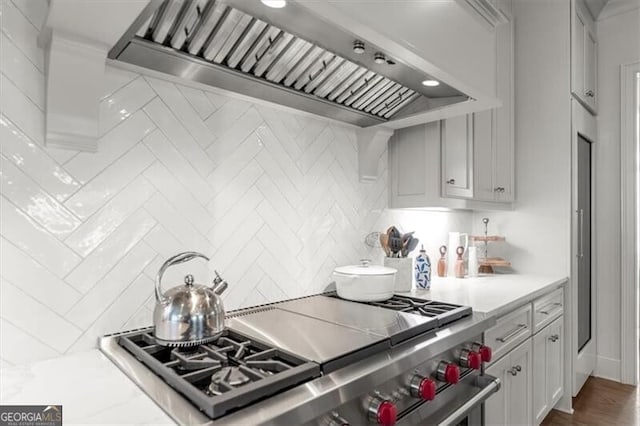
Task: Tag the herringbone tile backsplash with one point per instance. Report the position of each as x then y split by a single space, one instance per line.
271 196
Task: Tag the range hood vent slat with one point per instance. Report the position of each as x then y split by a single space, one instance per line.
301 67
386 95
187 23
294 54
206 26
254 32
271 54
167 20
223 30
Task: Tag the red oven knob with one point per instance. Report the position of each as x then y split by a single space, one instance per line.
484 351
448 372
382 411
470 359
423 388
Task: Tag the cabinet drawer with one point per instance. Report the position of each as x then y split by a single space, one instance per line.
510 330
547 308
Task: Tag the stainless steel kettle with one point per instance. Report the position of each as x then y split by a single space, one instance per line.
188 314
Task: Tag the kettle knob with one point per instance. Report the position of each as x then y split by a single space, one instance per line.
188 280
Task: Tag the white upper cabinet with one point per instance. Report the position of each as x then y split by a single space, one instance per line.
457 136
584 46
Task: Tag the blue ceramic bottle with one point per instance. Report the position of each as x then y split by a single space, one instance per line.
422 270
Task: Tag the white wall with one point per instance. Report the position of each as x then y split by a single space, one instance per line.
538 230
618 43
272 196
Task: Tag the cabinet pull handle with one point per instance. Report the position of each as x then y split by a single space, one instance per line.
580 213
451 181
554 338
513 371
547 311
498 189
511 334
590 93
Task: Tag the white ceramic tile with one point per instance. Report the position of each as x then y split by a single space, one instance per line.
283 248
21 71
22 32
178 165
232 248
36 318
19 347
219 100
225 227
235 190
34 10
123 103
270 290
115 316
35 201
280 156
232 134
33 160
100 226
179 136
143 317
198 100
115 79
180 197
119 140
109 182
34 279
21 110
183 110
315 149
273 266
277 174
111 287
282 210
110 253
276 121
20 229
234 163
173 221
61 155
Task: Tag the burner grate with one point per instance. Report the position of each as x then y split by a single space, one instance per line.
222 375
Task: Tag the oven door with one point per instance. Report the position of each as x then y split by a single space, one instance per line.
458 405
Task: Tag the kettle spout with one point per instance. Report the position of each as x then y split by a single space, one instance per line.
219 284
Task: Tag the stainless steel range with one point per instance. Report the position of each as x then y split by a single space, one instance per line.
321 360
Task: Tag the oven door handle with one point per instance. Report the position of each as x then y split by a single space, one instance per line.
489 385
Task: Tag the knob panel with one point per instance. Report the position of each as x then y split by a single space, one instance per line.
382 411
423 388
448 372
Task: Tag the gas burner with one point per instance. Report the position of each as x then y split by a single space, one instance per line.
228 378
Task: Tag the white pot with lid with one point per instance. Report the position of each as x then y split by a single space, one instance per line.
365 282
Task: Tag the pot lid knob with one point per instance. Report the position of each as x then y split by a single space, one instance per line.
365 262
188 280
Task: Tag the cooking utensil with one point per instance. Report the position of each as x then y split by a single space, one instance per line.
365 282
384 243
189 314
412 244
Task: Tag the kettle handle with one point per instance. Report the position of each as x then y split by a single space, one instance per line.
178 258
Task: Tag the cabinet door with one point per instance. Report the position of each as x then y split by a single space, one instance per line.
496 406
540 375
555 361
577 58
457 156
520 386
483 152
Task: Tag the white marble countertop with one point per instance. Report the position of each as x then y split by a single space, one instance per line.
91 389
490 294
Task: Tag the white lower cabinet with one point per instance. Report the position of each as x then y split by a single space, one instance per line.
512 404
548 360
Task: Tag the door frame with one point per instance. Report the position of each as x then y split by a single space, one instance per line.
581 365
629 86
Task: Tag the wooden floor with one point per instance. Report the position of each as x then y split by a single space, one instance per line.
601 402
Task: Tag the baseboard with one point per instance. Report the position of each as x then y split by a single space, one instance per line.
607 368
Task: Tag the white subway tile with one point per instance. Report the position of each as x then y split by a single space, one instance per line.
235 163
227 114
34 10
284 248
179 166
61 155
198 100
22 231
19 347
111 287
179 137
36 318
112 145
33 160
180 197
111 251
182 109
21 71
235 190
225 227
35 201
123 103
283 212
34 279
235 131
115 79
22 32
109 182
101 225
219 100
232 248
21 110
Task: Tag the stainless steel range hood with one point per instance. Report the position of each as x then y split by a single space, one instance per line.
287 56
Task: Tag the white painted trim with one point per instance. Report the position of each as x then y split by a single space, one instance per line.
614 8
628 249
607 368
